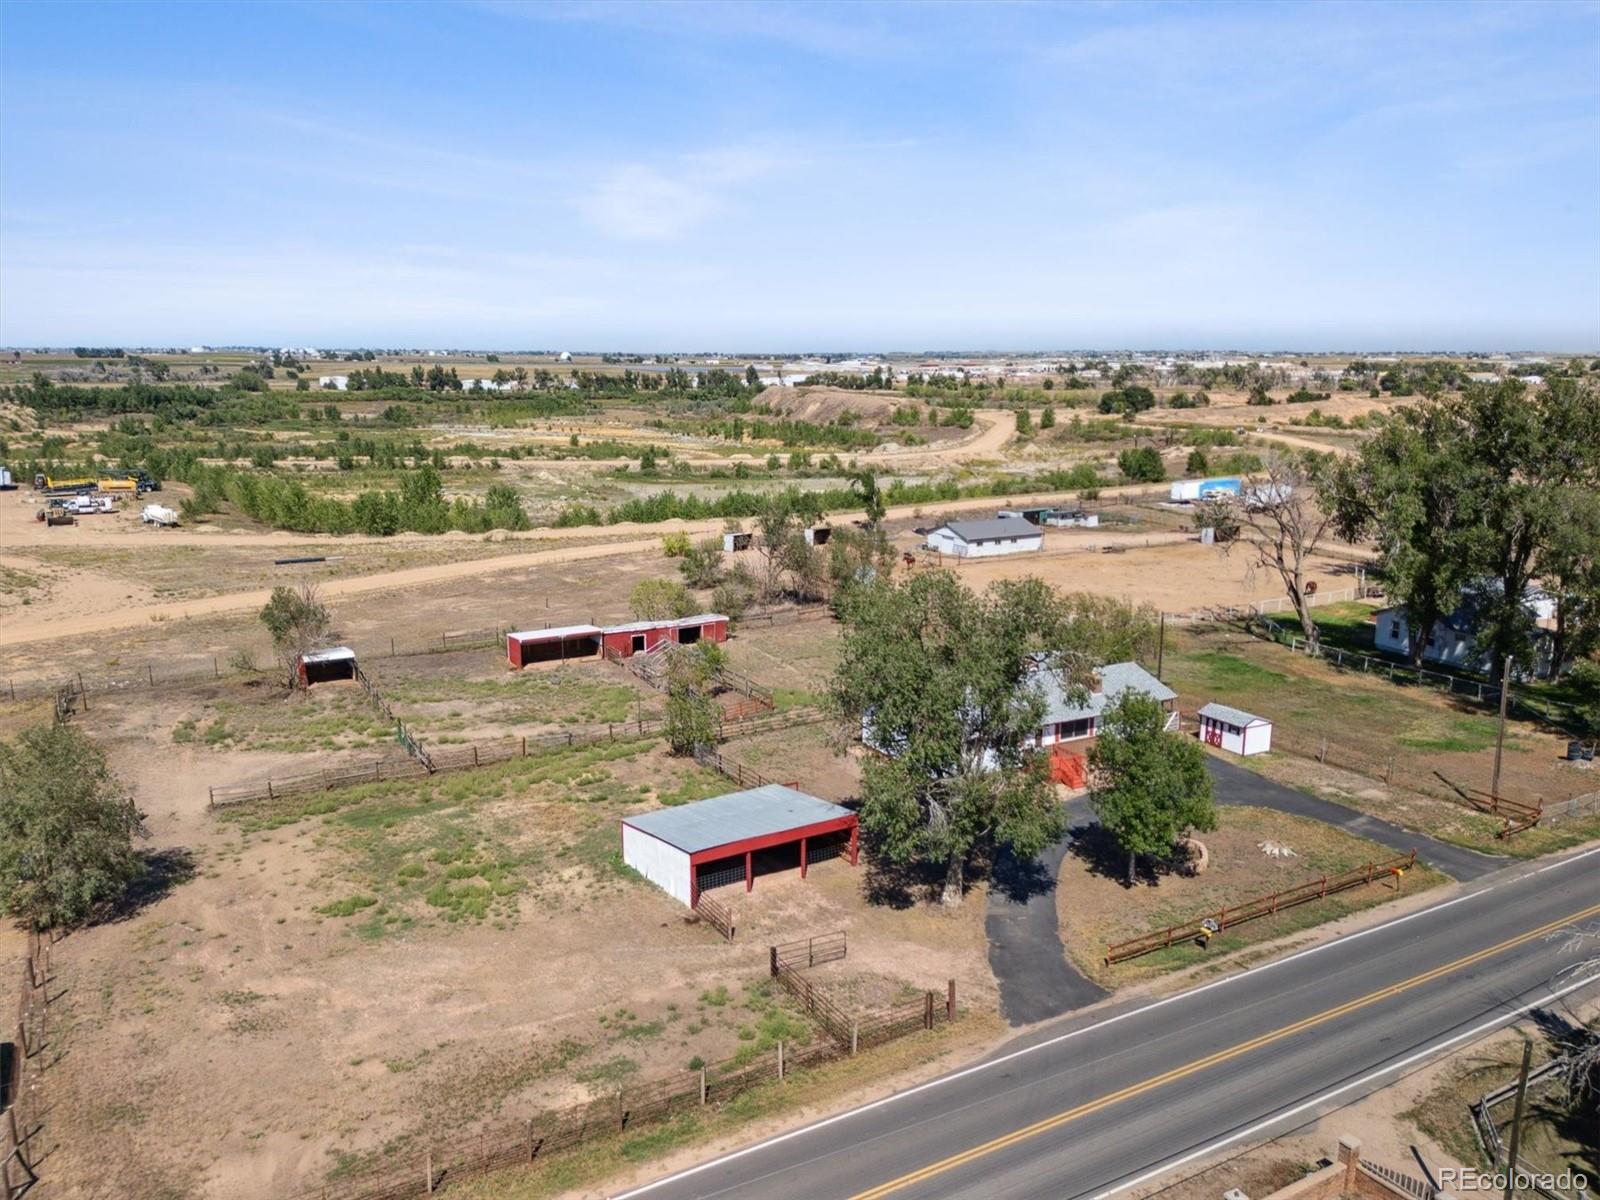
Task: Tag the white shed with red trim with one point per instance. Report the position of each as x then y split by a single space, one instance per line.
686 849
1234 730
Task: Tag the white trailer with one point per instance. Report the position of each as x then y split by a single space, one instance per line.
157 514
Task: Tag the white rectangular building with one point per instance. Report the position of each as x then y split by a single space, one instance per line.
985 539
1234 730
712 842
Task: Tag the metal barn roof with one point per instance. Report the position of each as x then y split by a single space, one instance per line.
993 529
664 623
1233 716
1114 680
560 631
758 812
336 654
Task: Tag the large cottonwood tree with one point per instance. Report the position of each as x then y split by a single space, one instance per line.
944 683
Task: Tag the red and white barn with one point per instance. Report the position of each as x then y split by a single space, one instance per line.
323 666
642 637
1234 730
560 644
688 849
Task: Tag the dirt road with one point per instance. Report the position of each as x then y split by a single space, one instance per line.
22 628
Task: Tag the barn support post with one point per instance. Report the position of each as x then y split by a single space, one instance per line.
854 831
802 858
749 875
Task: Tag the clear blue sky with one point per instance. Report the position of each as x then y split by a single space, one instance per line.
671 176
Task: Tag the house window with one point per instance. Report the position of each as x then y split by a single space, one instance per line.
1068 731
1394 630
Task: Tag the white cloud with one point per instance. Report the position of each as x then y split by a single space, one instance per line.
641 202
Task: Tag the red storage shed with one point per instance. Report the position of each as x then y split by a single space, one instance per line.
561 644
642 637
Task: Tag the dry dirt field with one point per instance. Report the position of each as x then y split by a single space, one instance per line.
1177 574
1096 906
338 978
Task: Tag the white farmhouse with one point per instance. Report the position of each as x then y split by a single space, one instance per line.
984 539
1453 642
1068 720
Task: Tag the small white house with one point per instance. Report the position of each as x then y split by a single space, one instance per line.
333 383
1453 641
984 539
1234 730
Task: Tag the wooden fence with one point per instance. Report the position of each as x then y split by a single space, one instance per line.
480 754
21 1106
787 963
1261 906
745 777
716 914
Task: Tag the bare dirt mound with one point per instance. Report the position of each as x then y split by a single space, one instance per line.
821 405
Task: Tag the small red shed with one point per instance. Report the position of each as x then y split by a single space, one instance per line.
321 666
561 644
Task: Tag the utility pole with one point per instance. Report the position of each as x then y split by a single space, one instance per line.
1516 1122
1500 734
1161 646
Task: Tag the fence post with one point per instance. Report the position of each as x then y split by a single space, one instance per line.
150 673
428 1168
1322 754
270 797
216 667
702 1085
780 1060
13 683
524 745
772 957
950 1001
1388 770
927 1010
855 1033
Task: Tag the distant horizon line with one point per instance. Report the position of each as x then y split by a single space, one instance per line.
948 352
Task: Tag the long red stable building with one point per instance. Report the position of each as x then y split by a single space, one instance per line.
568 642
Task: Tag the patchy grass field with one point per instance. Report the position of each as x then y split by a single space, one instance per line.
1095 906
1555 1136
344 975
1422 739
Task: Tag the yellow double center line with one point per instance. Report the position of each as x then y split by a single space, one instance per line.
1211 1060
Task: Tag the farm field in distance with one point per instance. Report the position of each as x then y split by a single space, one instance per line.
331 983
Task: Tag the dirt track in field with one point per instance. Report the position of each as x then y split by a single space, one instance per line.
50 622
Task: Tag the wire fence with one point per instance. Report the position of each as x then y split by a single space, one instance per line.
1515 807
466 757
21 1101
188 670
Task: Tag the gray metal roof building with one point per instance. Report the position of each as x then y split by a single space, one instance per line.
1115 679
736 817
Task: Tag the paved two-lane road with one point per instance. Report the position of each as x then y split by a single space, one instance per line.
1114 1096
